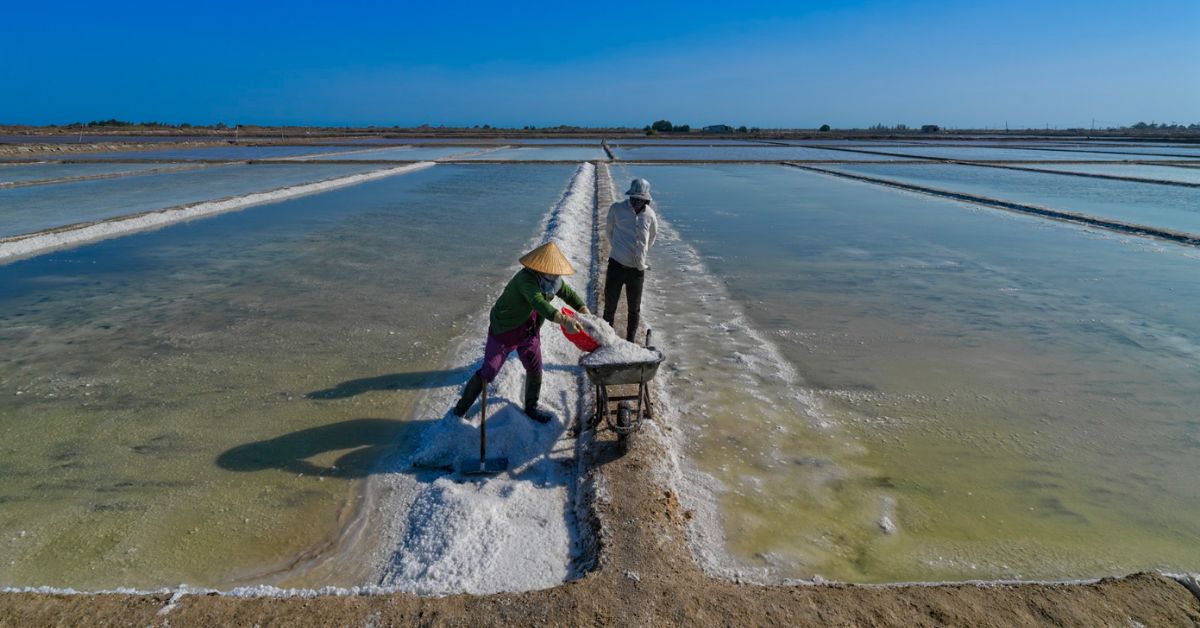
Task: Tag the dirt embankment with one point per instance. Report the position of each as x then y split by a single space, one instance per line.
644 574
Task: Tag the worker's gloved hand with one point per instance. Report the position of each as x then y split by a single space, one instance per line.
583 310
572 326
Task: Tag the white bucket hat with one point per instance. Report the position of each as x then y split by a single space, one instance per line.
639 188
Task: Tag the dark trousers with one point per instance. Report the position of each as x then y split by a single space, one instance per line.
631 279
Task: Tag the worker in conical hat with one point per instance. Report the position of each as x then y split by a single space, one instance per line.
516 320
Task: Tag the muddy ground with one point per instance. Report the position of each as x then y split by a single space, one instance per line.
644 574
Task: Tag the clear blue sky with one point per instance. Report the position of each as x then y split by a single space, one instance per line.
768 64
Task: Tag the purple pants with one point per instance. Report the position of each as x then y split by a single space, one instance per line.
524 339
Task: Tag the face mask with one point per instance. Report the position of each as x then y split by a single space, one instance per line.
549 284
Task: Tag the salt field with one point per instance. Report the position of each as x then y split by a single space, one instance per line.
882 386
1168 207
20 173
739 153
403 153
224 153
984 153
1140 171
200 404
31 209
862 384
548 153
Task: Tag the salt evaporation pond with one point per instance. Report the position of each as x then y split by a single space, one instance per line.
1135 151
1142 171
983 153
51 171
739 153
892 387
1168 207
618 141
231 153
549 153
200 404
404 153
31 209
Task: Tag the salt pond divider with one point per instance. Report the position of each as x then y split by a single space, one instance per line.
18 247
1044 212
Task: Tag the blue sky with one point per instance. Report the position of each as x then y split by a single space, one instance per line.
769 64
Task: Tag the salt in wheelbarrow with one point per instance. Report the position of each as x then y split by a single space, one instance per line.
627 418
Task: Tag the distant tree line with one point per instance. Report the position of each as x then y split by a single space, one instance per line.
1142 126
115 123
665 126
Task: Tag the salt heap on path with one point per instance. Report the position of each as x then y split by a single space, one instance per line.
613 349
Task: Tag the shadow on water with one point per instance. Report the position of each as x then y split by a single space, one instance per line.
538 454
368 440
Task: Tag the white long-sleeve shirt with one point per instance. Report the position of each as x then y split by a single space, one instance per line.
631 234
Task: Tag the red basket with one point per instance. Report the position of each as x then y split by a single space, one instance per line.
586 343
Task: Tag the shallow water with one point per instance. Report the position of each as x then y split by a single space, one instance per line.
549 153
1017 397
1169 207
1175 152
217 152
403 153
1142 171
668 139
31 209
737 153
199 404
983 153
89 138
50 171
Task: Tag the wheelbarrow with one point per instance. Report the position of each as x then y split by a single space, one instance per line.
628 418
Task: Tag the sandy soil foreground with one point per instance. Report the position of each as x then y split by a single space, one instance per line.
644 574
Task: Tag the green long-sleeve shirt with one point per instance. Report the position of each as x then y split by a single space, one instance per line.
522 296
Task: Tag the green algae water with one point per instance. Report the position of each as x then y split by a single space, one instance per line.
201 404
889 387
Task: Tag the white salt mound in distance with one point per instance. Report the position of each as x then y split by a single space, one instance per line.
613 349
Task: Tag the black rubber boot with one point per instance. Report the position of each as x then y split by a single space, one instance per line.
533 391
469 394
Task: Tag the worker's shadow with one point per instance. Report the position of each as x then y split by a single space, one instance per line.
366 442
442 442
411 380
438 446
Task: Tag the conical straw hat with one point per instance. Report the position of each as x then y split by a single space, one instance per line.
547 259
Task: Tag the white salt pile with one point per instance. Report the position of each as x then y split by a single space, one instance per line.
613 349
511 532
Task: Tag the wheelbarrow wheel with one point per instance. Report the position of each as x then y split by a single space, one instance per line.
624 425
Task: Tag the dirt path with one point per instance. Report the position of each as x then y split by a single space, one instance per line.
644 574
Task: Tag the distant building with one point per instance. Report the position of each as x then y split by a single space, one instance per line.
718 128
930 128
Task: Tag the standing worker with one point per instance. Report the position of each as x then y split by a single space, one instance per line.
632 229
516 321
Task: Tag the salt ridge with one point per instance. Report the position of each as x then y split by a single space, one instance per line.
512 532
17 247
